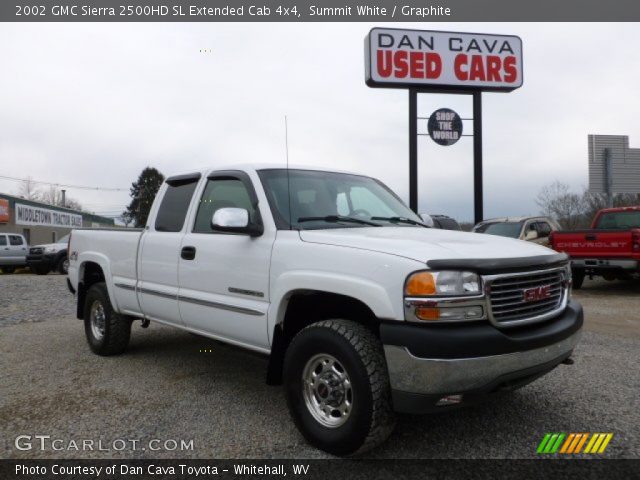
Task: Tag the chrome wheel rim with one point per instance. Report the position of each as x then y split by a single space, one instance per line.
65 266
327 392
98 320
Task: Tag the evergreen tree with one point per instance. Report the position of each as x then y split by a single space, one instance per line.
143 191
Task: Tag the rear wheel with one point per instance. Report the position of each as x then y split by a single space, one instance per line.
8 270
107 332
577 278
337 387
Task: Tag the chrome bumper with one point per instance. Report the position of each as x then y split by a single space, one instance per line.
433 376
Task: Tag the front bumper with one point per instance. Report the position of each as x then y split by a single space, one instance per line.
603 263
429 362
41 260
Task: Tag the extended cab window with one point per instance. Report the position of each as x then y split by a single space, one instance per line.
3 240
15 240
175 203
222 192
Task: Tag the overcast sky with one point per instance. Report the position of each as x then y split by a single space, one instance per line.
94 103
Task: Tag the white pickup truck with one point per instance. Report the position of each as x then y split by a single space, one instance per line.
362 309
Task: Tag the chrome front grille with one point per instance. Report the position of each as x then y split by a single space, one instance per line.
526 297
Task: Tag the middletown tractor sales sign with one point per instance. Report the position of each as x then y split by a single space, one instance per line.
29 215
442 60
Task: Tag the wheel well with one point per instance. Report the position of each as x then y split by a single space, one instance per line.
306 307
92 273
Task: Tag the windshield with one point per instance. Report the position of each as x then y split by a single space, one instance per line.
64 239
619 220
332 200
504 229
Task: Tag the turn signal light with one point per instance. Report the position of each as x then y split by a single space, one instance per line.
421 283
427 313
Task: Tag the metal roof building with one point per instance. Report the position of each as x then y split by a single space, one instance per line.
43 223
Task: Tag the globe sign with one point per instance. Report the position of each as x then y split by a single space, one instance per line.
445 127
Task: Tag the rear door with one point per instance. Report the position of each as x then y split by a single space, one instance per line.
160 251
17 249
224 288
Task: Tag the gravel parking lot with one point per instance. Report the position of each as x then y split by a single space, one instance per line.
167 387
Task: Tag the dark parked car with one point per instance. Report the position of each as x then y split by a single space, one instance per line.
440 221
53 256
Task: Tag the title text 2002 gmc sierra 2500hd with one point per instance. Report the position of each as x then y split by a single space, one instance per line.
362 309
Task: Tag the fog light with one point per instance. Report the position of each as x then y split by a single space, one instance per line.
448 313
427 313
449 400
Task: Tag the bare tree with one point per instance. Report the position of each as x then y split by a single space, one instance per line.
29 190
557 201
53 196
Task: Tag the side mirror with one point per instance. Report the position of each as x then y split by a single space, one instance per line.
234 220
531 235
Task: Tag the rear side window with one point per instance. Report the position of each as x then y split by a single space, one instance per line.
175 203
15 240
619 220
3 240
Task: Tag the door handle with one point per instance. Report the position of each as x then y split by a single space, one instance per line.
188 253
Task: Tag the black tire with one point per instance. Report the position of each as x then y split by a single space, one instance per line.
577 279
63 266
8 270
116 329
41 270
371 418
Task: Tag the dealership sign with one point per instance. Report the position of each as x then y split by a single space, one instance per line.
29 215
434 60
4 210
445 127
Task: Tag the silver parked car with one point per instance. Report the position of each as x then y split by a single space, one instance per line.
13 252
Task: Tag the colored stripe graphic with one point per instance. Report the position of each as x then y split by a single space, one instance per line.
572 443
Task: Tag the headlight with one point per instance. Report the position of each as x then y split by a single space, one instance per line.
50 250
444 283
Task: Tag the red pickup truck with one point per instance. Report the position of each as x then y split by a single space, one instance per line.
611 248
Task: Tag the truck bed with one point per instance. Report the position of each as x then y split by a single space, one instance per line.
592 243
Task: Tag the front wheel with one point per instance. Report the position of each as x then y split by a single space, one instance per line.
337 387
107 332
7 270
63 266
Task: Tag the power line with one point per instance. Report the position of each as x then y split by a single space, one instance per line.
79 187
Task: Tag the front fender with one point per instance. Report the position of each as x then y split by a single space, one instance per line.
373 295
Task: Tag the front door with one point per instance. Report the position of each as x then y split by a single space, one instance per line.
224 288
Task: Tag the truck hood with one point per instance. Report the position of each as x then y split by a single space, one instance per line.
58 246
424 244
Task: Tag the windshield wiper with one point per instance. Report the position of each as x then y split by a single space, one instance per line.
338 218
401 220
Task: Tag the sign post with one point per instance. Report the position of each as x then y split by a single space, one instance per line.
425 61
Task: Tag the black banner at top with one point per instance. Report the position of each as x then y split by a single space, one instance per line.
321 11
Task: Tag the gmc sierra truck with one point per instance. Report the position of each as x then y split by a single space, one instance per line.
611 248
362 310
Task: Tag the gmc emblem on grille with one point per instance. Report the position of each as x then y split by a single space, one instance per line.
536 293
